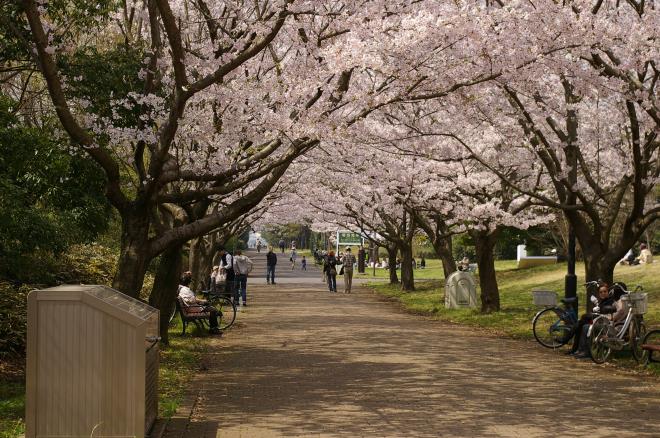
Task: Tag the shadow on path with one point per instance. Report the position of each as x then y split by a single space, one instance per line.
305 362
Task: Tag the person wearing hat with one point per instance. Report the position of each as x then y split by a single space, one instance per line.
348 260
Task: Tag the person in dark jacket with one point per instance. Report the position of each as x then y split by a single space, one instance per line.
330 268
608 304
271 261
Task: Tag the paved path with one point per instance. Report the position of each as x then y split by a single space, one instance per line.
304 362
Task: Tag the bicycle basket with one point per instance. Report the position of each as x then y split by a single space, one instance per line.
639 302
544 298
625 302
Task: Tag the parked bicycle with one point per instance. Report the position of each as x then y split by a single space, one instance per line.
225 307
606 335
553 326
651 347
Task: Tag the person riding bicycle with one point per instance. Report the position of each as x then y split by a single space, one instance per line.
608 303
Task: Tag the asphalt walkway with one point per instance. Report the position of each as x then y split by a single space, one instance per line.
305 362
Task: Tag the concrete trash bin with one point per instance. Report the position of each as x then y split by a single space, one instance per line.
92 363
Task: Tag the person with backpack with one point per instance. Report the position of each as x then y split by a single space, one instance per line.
242 267
282 245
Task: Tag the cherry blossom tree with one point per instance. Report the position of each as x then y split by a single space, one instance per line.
192 140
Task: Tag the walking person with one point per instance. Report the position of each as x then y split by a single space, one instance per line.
324 261
331 271
242 266
293 257
348 261
227 267
303 264
282 244
271 261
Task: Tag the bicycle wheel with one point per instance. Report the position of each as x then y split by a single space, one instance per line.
637 334
599 350
550 329
225 308
651 338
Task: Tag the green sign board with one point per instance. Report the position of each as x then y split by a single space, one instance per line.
348 238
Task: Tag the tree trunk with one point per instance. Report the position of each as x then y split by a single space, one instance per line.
201 262
134 256
163 294
407 276
391 260
443 249
195 256
490 295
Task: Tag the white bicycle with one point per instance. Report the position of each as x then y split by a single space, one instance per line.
605 335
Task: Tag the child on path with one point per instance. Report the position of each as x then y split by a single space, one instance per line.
303 264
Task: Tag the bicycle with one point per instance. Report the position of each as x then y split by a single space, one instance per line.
553 326
651 347
605 335
225 307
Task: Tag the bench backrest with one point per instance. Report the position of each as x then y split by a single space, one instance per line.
189 311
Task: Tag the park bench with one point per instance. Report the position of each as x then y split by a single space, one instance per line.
195 314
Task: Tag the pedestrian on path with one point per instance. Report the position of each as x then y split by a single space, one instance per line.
227 267
348 261
324 262
242 266
282 244
303 264
271 261
331 271
293 257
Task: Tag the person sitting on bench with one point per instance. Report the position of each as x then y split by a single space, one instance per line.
608 302
189 298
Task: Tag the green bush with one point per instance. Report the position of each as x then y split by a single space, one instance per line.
84 264
88 264
13 319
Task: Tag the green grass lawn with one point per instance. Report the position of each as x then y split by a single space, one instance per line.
12 408
433 270
517 310
178 363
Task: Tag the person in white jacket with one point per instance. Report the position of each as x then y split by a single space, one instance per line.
242 267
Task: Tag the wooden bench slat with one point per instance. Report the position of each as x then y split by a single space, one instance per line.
651 347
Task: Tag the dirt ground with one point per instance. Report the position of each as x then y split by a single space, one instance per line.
305 362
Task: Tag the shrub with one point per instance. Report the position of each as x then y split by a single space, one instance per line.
13 319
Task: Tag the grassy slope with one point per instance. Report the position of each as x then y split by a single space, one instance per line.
515 287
